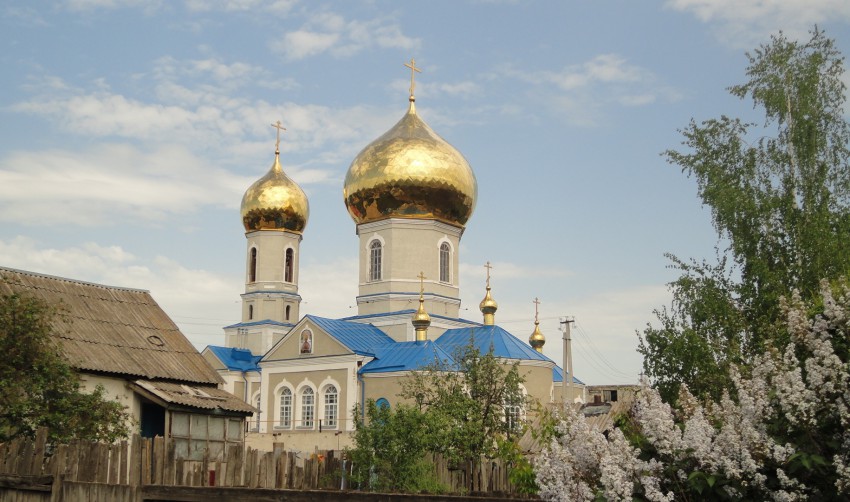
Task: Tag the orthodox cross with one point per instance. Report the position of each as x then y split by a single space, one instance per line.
279 128
488 267
413 71
421 277
536 303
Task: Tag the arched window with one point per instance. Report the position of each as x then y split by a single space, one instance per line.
286 408
287 311
308 407
252 272
250 312
445 262
375 261
287 270
331 406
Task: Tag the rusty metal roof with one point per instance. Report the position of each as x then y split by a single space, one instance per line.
113 330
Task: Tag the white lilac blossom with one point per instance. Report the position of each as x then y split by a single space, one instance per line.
790 407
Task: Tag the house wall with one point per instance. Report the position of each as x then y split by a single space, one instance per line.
117 390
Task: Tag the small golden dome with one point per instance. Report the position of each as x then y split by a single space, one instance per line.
410 172
488 307
421 317
275 202
537 340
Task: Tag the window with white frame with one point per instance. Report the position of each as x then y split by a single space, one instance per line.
375 253
285 408
445 262
331 406
308 407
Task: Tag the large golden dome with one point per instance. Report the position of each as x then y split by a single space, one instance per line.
410 172
275 202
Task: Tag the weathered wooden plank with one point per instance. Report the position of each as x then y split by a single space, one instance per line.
38 451
114 463
24 460
135 462
145 462
157 459
170 462
123 466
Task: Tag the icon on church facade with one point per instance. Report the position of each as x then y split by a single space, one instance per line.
306 342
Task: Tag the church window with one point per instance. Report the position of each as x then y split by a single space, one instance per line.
252 272
287 271
286 408
287 311
445 262
375 261
308 407
331 406
250 312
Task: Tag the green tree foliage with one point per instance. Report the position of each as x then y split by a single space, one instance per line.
460 412
469 405
779 195
37 386
390 450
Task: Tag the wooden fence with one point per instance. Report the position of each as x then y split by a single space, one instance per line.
143 462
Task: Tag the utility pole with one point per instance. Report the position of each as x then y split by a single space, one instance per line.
568 360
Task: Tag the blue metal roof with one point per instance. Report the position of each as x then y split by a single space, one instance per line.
259 323
410 311
407 356
363 339
504 344
558 376
236 359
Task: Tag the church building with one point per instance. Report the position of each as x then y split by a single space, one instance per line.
410 194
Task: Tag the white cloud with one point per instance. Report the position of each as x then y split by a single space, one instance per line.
275 6
328 32
95 186
198 104
581 92
746 24
301 44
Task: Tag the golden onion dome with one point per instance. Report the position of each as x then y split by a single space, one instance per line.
275 202
410 172
537 340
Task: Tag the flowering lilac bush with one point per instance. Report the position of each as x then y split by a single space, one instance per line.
780 433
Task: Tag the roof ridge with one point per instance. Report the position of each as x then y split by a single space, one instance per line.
67 279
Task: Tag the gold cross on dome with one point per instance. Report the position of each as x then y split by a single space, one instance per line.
413 71
488 267
536 303
421 277
279 128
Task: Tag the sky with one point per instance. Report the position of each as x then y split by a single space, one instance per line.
130 129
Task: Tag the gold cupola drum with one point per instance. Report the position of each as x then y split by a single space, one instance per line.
275 202
410 172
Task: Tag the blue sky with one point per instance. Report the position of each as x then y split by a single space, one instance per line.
130 129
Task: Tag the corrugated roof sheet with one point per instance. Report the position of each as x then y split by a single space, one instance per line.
360 338
204 397
236 359
113 330
504 344
406 356
558 375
